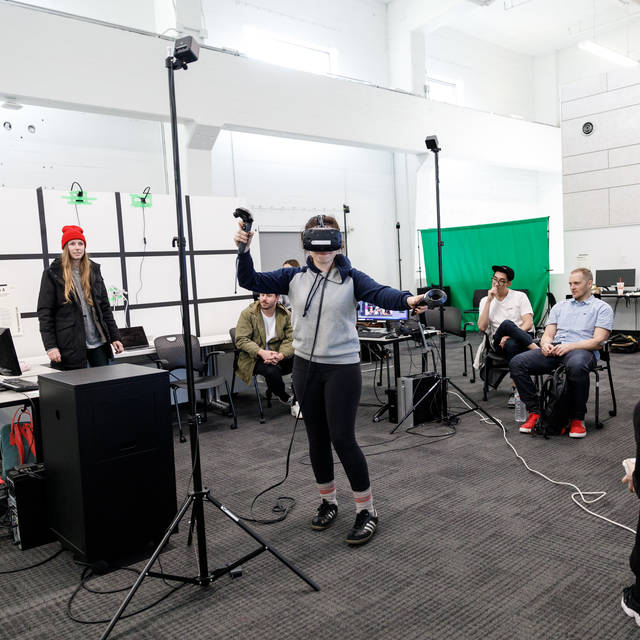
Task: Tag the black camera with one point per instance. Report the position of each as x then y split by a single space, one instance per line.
186 49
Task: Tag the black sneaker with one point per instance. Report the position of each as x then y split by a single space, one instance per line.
363 529
630 605
325 515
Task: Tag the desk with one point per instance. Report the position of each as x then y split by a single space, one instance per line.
392 398
627 297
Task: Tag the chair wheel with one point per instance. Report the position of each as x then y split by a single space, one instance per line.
234 426
599 425
262 420
183 439
612 412
376 419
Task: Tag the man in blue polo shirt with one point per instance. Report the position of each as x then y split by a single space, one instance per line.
575 330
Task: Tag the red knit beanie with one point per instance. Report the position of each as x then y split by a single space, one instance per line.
72 232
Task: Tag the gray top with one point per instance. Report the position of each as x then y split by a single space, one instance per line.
93 337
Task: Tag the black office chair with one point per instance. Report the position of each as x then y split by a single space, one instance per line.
604 364
494 369
171 356
478 294
452 323
236 354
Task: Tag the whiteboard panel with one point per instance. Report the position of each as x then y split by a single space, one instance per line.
215 275
25 276
98 220
154 279
219 317
213 223
29 343
160 321
19 213
158 223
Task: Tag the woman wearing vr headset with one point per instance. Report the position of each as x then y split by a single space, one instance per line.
326 369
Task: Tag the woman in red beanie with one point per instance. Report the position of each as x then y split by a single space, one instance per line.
76 322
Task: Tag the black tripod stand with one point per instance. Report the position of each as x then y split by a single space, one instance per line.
442 382
186 50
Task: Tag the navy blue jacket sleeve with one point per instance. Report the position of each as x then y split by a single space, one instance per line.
267 282
367 289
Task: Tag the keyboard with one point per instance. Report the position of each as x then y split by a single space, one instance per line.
18 384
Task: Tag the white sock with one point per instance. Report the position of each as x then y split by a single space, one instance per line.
328 492
364 500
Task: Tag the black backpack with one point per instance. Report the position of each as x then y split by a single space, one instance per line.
620 343
554 405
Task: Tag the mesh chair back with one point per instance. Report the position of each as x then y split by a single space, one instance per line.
171 349
232 335
452 318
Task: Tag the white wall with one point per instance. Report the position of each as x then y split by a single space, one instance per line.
493 79
354 30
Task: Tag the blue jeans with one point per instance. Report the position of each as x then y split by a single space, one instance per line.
578 363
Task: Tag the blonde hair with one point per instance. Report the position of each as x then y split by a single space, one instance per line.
586 273
67 275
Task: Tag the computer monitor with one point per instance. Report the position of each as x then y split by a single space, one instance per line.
368 312
9 365
609 277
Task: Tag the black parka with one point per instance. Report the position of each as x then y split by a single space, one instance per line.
62 323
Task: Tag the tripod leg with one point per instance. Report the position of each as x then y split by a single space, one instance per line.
147 567
265 545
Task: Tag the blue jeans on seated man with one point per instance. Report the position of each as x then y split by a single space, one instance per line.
578 363
518 341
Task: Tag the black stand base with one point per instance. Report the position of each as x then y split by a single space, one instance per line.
206 580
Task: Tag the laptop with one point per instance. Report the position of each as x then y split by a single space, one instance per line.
133 338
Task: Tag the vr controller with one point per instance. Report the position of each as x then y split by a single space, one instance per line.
433 298
247 221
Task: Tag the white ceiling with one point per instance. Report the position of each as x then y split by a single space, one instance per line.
536 27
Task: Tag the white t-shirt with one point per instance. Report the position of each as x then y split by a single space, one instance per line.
514 305
269 327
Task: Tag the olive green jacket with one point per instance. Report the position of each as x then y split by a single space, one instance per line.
251 337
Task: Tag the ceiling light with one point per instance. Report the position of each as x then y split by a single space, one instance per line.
7 125
31 129
607 54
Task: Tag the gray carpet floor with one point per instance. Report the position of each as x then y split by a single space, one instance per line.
470 545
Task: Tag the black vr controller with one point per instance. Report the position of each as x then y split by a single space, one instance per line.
247 221
321 238
433 299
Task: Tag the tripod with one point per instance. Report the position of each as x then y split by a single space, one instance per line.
195 499
442 382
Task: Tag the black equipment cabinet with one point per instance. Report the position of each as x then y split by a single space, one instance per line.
108 451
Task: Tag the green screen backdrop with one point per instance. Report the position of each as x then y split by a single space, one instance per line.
469 252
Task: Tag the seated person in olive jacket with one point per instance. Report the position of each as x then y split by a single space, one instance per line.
264 337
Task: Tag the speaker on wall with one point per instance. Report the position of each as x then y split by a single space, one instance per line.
108 450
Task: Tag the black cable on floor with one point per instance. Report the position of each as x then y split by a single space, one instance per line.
37 564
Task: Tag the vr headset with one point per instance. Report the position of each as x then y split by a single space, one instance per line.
321 238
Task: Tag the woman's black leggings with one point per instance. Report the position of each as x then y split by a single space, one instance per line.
329 395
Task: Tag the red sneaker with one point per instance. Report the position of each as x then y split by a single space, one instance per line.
577 429
530 423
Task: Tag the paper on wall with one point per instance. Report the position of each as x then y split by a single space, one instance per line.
9 311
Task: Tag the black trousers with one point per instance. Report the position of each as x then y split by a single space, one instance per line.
98 357
518 341
329 395
273 373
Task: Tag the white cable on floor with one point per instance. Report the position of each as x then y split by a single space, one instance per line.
578 491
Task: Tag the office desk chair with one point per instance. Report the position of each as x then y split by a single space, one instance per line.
171 356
